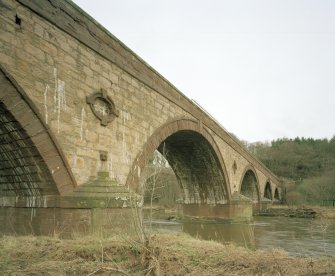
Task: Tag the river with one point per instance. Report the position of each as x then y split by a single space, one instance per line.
299 237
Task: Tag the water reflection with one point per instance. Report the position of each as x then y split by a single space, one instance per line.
303 237
239 234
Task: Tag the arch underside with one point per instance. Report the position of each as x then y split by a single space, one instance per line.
195 166
22 170
31 162
276 194
249 186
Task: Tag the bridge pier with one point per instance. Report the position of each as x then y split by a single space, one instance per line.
99 207
63 222
239 209
264 204
103 208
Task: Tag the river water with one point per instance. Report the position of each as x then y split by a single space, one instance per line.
299 237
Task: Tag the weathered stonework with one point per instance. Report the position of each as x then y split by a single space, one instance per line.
52 59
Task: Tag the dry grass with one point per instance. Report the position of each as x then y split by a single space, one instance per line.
325 212
167 254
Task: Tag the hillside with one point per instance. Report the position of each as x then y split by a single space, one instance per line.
307 165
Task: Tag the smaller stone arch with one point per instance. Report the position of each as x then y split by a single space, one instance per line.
276 194
249 185
268 190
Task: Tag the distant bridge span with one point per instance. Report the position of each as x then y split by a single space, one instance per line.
78 108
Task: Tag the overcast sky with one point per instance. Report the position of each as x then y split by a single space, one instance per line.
264 69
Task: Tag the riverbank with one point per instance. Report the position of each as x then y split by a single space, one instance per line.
164 254
325 212
299 212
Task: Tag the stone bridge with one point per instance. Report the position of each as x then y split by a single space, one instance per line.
80 117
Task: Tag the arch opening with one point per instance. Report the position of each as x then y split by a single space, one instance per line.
249 186
193 156
159 183
268 191
276 195
196 167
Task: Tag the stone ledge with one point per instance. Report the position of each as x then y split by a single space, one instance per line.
101 192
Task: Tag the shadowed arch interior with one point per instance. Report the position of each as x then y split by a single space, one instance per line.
31 162
276 195
268 191
194 158
22 170
196 167
249 185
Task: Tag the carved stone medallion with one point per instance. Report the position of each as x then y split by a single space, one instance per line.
102 107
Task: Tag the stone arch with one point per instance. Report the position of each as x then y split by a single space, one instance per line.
193 155
276 194
268 190
249 185
32 163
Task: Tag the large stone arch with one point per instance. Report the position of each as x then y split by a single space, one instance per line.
268 190
193 155
32 163
249 184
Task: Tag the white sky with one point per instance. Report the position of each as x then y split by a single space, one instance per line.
265 69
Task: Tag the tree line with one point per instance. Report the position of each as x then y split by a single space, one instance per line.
306 166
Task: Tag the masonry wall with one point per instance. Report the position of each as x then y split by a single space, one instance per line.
65 222
57 71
